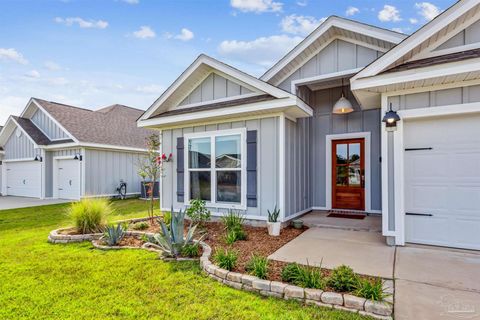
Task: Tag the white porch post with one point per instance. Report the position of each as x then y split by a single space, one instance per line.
281 167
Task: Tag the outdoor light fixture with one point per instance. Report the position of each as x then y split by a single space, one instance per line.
78 157
342 106
38 158
391 118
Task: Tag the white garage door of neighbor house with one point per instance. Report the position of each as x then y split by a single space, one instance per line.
24 178
68 179
442 181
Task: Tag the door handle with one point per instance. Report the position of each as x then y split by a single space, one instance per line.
70 182
418 214
23 181
60 189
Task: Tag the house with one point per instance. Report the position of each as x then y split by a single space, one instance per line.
54 150
310 133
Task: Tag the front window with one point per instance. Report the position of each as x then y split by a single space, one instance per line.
216 167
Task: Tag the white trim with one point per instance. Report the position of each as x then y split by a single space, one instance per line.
384 169
374 32
328 167
19 160
213 186
207 102
323 77
463 108
297 214
35 145
442 52
110 195
92 145
277 105
83 172
43 175
55 175
282 166
4 178
174 172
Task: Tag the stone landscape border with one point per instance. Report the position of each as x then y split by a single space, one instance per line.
341 301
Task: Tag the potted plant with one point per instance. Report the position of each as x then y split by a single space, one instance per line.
273 225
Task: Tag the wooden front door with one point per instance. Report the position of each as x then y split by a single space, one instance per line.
348 174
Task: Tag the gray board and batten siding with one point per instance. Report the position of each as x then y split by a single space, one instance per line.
306 149
19 147
48 126
337 56
267 162
469 35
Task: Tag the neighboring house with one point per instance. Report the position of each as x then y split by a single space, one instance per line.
54 150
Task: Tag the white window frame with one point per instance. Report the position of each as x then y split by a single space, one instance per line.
213 189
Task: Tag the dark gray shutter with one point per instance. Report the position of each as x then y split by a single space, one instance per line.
180 170
252 168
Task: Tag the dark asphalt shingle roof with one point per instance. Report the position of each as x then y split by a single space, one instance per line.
113 125
447 58
36 134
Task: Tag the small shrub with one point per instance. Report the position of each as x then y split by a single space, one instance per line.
89 215
114 234
142 225
343 279
370 289
198 212
226 259
191 250
233 220
290 272
167 217
231 237
273 216
145 238
310 277
258 266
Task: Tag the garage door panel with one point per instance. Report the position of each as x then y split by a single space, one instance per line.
23 179
443 182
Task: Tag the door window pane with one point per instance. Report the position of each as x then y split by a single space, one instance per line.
342 176
229 186
199 153
354 153
227 152
200 185
354 175
342 153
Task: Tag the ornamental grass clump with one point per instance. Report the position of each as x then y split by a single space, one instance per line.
90 215
258 266
290 272
304 276
233 222
343 279
370 289
226 259
191 250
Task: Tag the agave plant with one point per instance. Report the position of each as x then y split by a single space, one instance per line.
172 239
114 234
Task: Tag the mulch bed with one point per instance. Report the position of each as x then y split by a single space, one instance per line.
131 242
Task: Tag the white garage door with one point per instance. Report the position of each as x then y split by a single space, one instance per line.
442 184
68 179
23 179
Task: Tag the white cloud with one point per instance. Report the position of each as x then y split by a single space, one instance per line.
302 3
11 105
52 66
413 20
427 10
184 35
131 1
262 51
301 25
400 30
145 32
351 11
97 24
33 74
13 55
257 6
389 13
151 89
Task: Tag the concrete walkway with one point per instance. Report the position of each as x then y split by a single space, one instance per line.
9 202
430 282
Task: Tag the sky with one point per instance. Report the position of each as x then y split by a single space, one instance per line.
97 53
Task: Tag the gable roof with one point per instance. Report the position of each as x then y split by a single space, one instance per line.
431 35
35 133
114 125
333 27
196 73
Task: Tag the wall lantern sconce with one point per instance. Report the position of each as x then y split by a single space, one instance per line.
38 158
391 118
78 157
342 106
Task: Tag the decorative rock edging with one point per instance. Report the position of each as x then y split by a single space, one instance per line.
347 302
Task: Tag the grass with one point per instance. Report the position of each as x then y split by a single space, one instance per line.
74 281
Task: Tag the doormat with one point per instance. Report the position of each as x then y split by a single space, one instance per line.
346 214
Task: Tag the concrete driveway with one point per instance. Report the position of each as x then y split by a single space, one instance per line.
430 282
9 202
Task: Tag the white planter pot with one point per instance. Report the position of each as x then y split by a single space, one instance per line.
274 228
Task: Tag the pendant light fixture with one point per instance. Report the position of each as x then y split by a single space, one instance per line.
342 106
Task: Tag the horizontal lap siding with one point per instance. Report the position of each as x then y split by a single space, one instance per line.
267 162
104 170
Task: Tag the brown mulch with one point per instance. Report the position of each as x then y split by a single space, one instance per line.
131 242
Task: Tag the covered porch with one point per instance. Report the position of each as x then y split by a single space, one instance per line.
321 219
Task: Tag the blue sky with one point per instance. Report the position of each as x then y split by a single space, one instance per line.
96 53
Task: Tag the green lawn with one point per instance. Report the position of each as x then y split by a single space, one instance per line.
39 280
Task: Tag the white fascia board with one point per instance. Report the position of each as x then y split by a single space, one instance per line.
222 67
270 106
54 120
332 21
7 130
92 145
415 39
440 70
